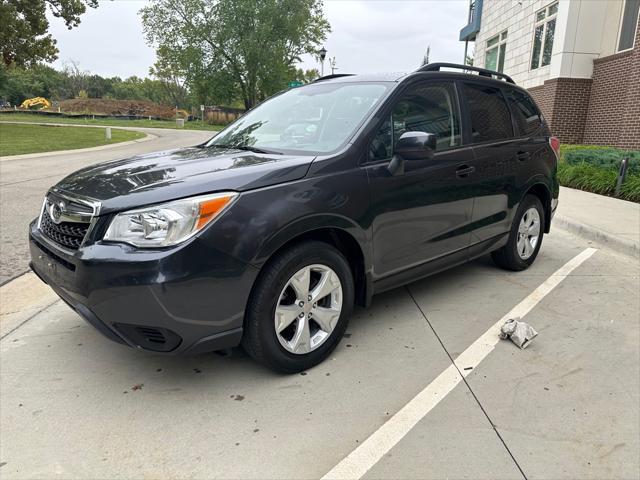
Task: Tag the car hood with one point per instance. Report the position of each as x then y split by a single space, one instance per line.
164 176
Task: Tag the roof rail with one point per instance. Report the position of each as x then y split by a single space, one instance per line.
334 75
435 67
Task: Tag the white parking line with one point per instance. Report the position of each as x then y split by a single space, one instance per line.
358 462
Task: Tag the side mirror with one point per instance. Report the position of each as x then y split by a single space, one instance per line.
412 146
416 146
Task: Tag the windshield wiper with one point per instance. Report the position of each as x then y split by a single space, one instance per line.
246 148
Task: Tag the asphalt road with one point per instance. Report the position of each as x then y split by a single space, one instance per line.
74 405
24 181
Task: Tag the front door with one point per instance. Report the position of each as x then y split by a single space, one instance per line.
424 213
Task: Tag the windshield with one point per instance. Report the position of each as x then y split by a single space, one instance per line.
314 119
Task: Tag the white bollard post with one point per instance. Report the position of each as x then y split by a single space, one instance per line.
108 133
180 122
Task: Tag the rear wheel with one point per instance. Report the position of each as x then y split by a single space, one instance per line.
299 308
525 237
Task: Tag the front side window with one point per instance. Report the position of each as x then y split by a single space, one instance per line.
495 52
628 24
490 118
429 108
524 110
314 119
543 34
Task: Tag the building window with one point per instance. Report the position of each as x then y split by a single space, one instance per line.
544 32
495 52
628 24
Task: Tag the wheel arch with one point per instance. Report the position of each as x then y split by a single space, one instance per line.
338 232
542 191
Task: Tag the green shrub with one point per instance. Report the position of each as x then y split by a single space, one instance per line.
603 157
595 179
631 188
595 169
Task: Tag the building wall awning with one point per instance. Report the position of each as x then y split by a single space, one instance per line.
469 32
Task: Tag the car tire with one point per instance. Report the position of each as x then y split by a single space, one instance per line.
276 295
520 252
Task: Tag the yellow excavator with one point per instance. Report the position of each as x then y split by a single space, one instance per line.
181 113
37 102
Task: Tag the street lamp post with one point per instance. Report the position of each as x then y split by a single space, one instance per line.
323 55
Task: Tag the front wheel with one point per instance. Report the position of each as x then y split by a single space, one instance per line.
525 237
299 308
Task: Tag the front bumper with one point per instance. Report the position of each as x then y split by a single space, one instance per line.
186 300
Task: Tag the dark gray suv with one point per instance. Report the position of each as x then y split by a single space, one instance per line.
319 198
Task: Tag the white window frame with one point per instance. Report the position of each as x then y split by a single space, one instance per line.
502 40
544 22
624 5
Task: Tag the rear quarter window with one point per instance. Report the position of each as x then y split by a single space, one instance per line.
488 112
525 112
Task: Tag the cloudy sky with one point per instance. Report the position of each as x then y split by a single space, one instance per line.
367 36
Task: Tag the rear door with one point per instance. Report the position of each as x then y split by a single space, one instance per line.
491 132
424 213
532 139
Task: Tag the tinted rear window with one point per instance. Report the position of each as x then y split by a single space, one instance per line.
525 113
490 118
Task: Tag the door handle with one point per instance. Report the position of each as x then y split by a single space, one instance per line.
522 156
464 171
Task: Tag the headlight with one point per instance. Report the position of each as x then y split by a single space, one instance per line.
168 223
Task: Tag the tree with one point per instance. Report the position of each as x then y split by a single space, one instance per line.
305 76
74 79
251 45
23 35
171 79
17 84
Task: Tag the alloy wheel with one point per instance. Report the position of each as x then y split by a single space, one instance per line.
528 233
308 309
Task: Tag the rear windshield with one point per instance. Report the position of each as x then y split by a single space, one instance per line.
314 119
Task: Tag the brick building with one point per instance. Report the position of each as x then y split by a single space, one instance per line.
580 59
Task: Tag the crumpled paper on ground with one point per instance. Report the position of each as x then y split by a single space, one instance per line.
520 333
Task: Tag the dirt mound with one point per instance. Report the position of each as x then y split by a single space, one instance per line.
105 106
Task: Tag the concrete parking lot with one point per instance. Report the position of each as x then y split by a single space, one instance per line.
74 405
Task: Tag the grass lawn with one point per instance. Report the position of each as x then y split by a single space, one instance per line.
28 117
16 139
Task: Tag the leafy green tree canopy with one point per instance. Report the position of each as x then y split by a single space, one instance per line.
247 48
38 80
23 34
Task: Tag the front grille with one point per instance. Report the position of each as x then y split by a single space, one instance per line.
57 258
72 206
68 234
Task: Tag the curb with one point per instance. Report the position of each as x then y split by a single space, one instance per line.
615 242
27 156
11 279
